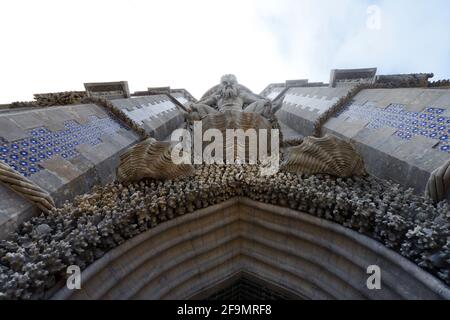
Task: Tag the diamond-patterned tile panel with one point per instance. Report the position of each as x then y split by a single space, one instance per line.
430 123
25 155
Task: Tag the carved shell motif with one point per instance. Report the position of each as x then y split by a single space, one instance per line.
150 159
438 185
233 119
326 155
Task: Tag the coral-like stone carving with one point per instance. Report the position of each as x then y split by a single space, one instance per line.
80 232
150 159
34 258
444 83
326 155
53 99
438 185
59 98
405 80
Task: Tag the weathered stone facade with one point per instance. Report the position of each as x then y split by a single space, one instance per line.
398 124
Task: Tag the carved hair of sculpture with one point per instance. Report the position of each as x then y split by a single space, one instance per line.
228 86
230 95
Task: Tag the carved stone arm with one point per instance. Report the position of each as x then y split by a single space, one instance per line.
210 101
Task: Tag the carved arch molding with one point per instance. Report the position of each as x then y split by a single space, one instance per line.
307 257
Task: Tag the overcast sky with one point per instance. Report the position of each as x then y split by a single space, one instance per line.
55 45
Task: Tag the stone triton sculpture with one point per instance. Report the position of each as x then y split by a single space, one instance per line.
230 105
438 185
105 168
230 95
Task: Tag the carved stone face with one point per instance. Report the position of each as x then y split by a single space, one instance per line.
228 86
228 80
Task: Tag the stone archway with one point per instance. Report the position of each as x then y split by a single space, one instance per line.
305 256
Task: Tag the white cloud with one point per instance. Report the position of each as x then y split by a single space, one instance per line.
52 45
325 34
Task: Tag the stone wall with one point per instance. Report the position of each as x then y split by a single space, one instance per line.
403 134
302 106
65 150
